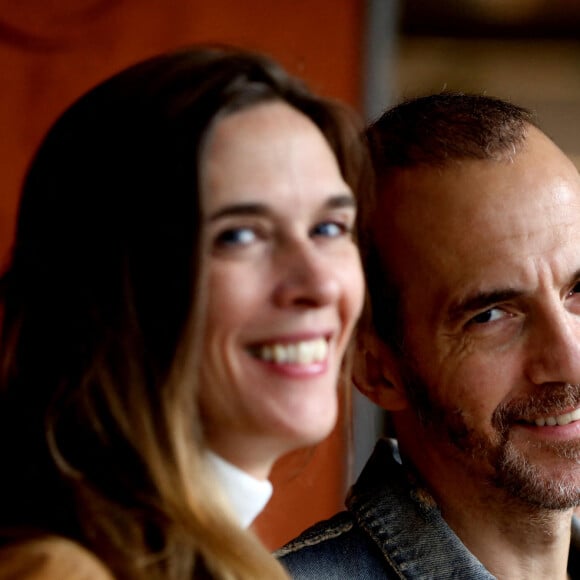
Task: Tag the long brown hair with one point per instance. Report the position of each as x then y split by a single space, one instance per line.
100 435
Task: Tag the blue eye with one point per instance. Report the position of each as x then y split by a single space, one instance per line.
236 237
330 229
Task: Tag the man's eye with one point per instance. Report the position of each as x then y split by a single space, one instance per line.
573 299
236 237
330 229
487 316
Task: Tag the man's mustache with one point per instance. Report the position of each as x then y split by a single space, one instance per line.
550 400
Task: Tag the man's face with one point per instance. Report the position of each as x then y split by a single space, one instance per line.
486 255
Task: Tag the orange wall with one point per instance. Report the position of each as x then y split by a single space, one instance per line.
53 50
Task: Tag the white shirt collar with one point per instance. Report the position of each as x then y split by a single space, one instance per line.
247 495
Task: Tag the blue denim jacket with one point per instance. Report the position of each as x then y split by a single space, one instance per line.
391 529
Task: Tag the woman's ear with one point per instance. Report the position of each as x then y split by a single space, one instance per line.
376 373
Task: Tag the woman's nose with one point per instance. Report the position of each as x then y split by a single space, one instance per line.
308 279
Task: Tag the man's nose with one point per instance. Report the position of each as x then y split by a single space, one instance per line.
308 278
555 348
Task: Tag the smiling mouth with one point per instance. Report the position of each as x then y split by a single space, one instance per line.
301 353
560 420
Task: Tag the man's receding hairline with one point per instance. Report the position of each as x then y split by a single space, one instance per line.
431 132
436 129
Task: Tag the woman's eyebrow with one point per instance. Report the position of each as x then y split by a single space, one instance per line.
240 209
250 208
341 200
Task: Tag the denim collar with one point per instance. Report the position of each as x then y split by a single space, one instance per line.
406 524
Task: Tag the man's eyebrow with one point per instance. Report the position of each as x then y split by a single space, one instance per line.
480 301
575 277
333 202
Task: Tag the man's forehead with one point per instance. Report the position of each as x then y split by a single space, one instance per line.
467 190
479 216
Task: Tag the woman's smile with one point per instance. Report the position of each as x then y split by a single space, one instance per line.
286 284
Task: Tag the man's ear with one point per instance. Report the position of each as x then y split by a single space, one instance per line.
376 373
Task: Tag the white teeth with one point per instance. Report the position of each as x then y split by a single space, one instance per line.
303 352
559 419
279 353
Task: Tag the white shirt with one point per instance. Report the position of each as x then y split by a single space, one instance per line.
247 495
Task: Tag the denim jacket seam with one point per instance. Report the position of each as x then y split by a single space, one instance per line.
327 535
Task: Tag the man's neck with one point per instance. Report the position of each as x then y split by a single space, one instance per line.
512 543
513 540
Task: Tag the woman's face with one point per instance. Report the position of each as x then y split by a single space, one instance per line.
285 284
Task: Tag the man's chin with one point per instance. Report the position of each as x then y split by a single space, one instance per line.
540 477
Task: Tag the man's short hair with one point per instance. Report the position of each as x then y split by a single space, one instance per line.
429 131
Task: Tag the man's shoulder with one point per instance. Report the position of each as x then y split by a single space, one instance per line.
321 533
333 549
393 529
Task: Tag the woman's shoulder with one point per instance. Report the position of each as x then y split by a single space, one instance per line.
50 558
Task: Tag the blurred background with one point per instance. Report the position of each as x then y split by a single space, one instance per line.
527 51
369 53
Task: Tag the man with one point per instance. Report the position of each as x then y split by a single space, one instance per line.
473 263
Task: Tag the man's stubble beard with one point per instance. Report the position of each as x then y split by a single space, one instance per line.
508 467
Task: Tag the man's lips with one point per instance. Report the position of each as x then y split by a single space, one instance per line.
556 419
556 406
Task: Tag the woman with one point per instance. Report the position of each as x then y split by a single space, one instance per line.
181 292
